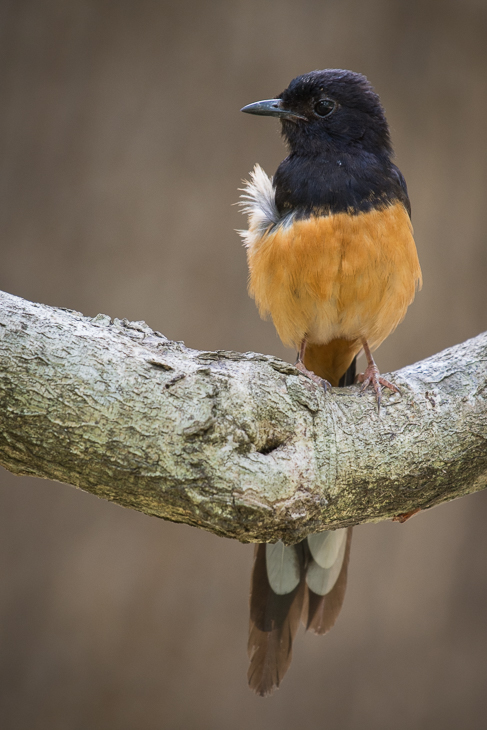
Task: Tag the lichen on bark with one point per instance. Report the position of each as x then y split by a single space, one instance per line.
239 444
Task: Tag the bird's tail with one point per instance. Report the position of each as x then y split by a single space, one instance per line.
305 581
335 361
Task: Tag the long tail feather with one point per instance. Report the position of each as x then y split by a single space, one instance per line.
274 620
323 610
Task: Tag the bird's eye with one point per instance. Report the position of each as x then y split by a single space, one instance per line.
324 107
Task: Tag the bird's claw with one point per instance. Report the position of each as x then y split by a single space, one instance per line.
326 385
312 376
372 377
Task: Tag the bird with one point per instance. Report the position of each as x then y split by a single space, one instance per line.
332 260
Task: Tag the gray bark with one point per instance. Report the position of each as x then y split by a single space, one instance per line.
238 444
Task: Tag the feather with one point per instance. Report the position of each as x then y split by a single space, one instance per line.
274 621
282 567
325 546
322 578
323 610
258 200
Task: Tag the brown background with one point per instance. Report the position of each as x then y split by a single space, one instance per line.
122 148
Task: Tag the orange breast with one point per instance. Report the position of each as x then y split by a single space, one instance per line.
336 276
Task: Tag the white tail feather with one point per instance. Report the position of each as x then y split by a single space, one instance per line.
324 546
282 567
320 579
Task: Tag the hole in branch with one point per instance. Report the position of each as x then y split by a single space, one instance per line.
271 444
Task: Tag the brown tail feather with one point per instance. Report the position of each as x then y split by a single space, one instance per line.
323 610
274 620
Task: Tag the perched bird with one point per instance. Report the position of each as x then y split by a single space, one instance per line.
332 260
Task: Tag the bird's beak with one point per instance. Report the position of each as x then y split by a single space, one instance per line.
270 108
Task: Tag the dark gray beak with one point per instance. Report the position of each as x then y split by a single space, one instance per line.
270 108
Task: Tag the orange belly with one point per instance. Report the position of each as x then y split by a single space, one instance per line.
339 276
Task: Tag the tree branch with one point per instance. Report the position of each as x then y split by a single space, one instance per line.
239 444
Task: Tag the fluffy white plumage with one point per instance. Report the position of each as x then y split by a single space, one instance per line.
258 201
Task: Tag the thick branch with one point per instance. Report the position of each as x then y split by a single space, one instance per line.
239 444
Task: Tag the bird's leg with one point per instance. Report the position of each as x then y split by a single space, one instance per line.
372 376
309 373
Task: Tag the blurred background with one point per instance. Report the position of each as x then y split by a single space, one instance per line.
122 149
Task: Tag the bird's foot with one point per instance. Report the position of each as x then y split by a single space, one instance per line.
372 377
312 376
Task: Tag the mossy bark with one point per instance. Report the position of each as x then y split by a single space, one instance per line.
238 444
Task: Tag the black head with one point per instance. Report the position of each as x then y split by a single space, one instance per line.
331 108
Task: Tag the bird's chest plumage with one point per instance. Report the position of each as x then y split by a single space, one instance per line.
335 276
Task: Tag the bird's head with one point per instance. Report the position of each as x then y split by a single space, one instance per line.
330 108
